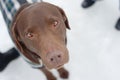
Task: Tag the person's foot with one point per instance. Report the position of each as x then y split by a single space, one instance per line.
118 24
87 3
7 57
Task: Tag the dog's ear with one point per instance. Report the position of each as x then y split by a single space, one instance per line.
16 37
64 17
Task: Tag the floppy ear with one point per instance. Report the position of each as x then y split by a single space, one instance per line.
16 38
64 17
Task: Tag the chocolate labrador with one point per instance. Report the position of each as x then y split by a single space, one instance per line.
39 33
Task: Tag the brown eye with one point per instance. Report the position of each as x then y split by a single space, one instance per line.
55 23
29 35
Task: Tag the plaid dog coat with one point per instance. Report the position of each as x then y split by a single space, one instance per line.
8 9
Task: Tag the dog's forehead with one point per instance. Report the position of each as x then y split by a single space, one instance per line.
42 9
37 14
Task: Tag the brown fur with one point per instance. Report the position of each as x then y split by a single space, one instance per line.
39 31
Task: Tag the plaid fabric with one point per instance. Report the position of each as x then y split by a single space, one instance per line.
8 9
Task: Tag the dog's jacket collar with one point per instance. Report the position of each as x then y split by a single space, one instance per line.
31 63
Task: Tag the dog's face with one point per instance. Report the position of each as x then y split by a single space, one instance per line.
41 29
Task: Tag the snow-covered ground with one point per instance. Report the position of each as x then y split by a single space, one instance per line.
93 43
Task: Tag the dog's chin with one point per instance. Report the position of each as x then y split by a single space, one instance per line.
54 67
58 67
50 67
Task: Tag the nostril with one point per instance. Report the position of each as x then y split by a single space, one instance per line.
51 59
59 56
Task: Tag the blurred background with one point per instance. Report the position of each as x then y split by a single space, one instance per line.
93 43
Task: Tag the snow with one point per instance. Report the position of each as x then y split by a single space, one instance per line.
93 43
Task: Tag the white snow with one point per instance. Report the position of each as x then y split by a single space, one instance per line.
93 43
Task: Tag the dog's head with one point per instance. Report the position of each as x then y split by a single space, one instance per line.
40 29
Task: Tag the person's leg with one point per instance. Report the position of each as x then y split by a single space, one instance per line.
88 3
117 26
7 57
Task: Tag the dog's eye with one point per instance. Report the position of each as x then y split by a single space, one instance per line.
29 35
55 23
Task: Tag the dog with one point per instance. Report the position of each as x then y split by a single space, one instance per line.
39 33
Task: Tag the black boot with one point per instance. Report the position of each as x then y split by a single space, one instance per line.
118 24
7 57
87 3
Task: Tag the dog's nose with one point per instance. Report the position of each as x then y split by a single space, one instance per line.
55 58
